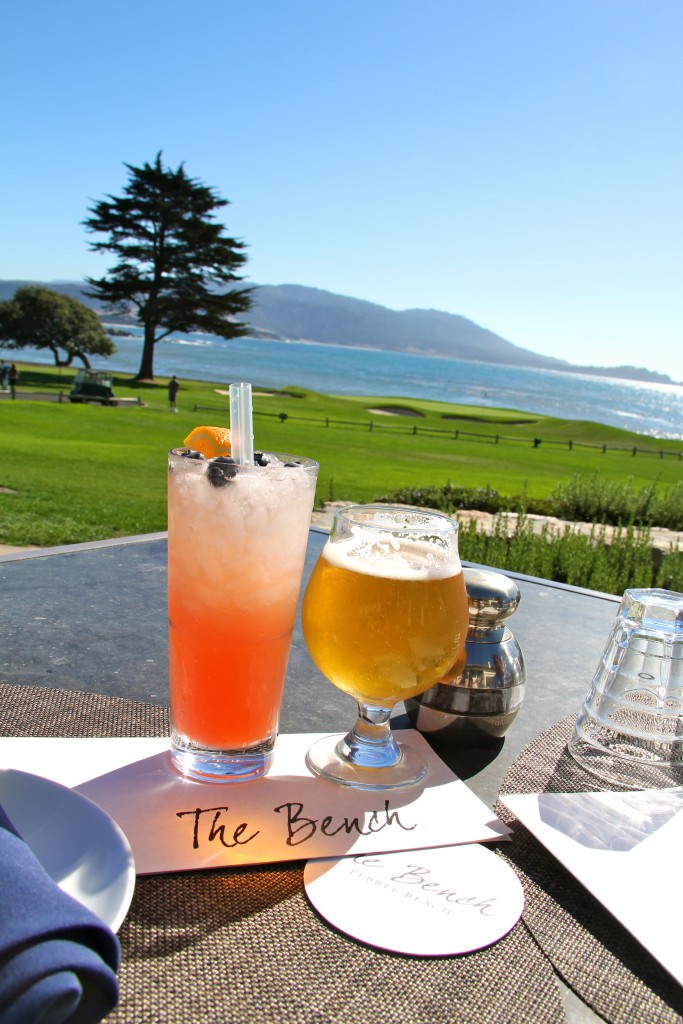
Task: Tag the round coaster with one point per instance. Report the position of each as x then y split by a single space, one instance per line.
435 902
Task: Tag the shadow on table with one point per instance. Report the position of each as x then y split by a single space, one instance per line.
609 821
172 912
466 762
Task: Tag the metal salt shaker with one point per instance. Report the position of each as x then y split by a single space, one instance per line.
480 705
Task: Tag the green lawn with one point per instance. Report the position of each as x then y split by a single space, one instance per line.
71 473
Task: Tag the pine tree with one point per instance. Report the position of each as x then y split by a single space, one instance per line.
175 267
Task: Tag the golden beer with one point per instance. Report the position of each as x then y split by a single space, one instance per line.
387 629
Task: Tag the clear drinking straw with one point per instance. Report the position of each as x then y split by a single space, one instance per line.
241 424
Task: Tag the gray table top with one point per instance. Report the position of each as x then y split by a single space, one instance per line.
93 618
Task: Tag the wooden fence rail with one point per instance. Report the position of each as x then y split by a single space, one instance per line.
457 434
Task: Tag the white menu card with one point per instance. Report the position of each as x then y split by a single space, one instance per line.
177 824
626 849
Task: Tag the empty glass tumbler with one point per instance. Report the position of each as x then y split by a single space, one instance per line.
630 728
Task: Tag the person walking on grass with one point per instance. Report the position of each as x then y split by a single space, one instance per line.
173 388
5 375
13 378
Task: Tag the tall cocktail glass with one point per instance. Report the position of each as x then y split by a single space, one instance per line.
237 539
385 616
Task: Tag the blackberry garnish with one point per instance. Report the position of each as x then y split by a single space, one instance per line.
221 470
190 453
260 459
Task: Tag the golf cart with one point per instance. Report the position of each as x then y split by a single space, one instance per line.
92 386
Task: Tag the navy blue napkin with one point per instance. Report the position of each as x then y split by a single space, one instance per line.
58 960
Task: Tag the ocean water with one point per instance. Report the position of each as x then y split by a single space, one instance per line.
653 409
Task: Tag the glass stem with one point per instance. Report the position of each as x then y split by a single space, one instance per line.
371 743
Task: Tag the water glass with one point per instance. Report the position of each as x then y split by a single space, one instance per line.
629 731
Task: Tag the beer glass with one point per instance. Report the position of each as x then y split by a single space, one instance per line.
384 616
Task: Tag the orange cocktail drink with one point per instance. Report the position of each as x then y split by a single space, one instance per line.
237 538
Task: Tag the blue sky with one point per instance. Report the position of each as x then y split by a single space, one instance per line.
518 162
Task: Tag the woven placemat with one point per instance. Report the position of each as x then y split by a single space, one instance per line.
245 946
588 947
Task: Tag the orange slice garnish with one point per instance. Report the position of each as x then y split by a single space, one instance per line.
210 441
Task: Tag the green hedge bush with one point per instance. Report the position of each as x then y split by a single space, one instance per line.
594 561
585 499
574 558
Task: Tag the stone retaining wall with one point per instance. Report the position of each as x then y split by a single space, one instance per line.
662 540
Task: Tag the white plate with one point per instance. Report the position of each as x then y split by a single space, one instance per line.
78 844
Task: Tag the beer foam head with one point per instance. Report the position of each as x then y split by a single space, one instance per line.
394 557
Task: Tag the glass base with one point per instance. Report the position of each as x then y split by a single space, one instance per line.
221 765
327 758
626 764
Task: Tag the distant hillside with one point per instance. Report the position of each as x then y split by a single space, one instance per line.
299 313
309 314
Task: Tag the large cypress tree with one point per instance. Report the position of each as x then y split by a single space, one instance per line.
175 265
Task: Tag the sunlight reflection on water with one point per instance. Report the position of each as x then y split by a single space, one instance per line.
647 408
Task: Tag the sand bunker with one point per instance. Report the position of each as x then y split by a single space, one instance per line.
395 410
